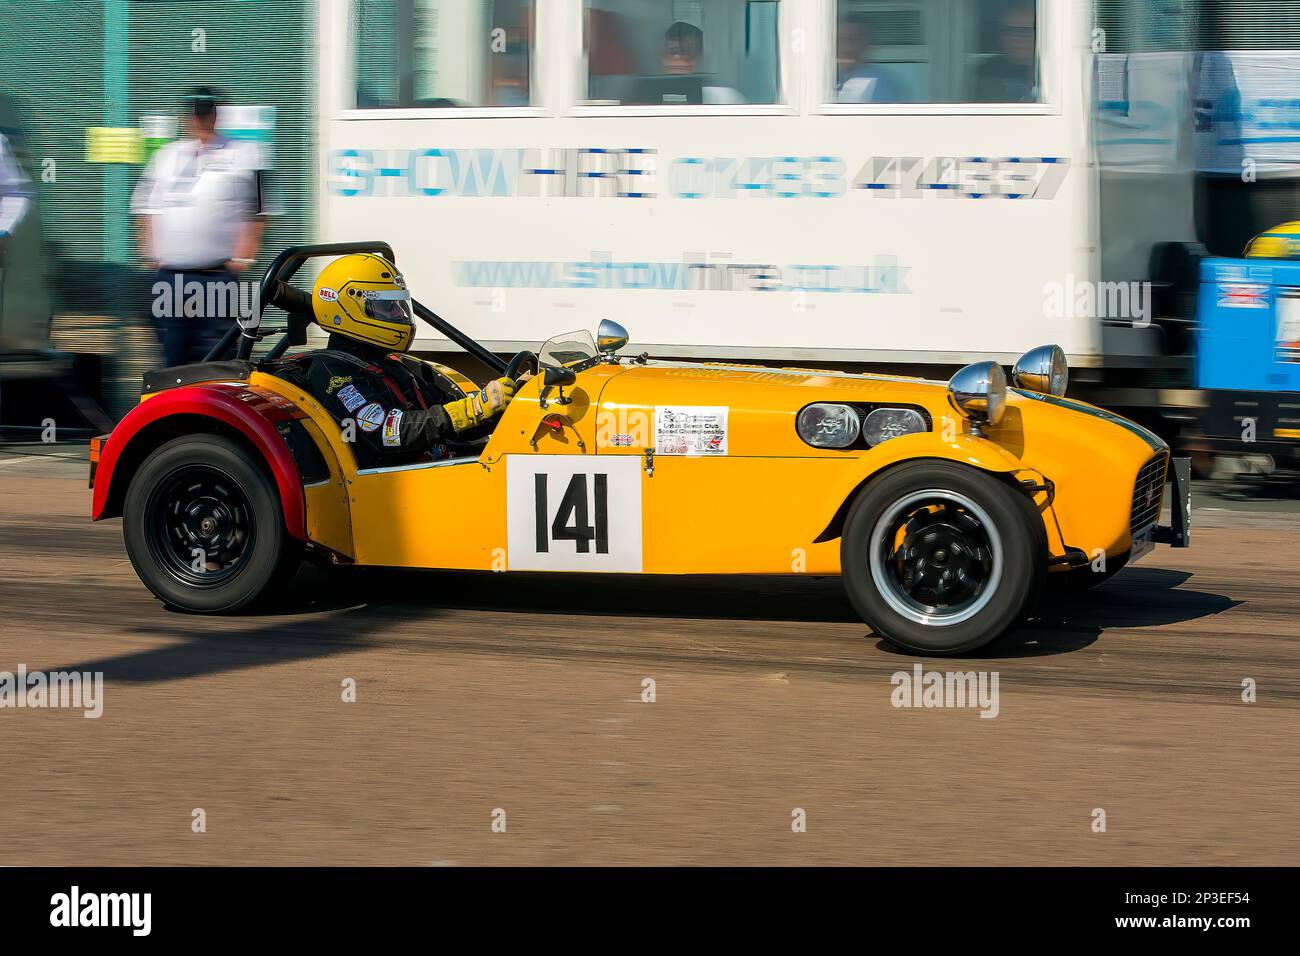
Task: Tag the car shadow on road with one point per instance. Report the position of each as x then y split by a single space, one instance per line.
329 613
326 615
313 619
798 599
1135 598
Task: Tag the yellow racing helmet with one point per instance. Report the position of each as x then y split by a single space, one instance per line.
1280 242
364 297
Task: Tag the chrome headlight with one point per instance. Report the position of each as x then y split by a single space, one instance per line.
825 425
886 423
1043 369
979 392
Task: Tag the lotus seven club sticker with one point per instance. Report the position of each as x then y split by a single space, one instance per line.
691 430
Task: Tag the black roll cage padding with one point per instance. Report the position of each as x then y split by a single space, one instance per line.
488 358
218 351
280 348
297 304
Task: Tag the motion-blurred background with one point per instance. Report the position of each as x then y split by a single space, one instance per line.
90 89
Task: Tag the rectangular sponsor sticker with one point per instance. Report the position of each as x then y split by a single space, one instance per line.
393 429
691 429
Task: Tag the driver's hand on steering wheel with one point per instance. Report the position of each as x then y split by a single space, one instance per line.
481 405
496 395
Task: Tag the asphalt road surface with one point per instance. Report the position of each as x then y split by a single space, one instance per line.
519 699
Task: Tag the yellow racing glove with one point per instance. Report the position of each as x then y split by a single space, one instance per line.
479 406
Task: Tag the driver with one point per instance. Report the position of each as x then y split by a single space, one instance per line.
400 406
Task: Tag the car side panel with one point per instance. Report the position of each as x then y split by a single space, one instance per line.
439 516
329 520
327 504
414 516
739 515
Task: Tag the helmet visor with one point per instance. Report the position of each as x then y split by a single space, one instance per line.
389 305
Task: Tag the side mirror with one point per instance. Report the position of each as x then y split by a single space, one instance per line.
553 376
610 337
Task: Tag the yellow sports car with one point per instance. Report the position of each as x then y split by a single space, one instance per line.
946 508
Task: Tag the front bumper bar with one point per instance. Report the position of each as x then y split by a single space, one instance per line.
1178 533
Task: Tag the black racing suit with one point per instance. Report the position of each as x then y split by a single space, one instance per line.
393 401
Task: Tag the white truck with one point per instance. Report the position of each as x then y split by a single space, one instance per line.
893 184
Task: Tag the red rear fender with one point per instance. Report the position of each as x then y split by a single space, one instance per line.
248 412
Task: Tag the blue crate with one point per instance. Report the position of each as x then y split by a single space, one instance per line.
1240 344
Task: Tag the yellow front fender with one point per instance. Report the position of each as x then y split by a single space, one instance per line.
963 449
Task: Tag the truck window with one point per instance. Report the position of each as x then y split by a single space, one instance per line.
442 53
936 51
701 53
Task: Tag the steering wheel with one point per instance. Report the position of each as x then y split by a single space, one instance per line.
514 369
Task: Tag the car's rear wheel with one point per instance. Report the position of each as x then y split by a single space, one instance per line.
941 558
204 528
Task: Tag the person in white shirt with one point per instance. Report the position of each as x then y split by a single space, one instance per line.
15 192
200 212
15 199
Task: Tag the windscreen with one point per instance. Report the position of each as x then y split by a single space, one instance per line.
571 348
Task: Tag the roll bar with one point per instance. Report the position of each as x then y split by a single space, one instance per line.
488 358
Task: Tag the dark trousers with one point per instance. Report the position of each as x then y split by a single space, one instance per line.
188 338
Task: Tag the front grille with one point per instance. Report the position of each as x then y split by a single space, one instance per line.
1148 493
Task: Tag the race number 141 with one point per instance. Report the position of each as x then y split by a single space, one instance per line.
573 513
575 520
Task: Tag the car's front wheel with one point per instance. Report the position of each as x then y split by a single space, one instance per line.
204 528
941 558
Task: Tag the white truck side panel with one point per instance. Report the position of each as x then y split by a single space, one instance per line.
752 240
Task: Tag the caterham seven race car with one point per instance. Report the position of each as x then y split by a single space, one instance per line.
946 508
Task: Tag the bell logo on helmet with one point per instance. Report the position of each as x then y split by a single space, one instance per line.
327 294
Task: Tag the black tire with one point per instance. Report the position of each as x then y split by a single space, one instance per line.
928 524
206 496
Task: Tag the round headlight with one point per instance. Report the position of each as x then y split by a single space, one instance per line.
886 423
979 392
1043 369
829 426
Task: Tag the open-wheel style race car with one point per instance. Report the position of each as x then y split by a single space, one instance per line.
946 508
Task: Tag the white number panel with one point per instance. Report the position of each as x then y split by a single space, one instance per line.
571 513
